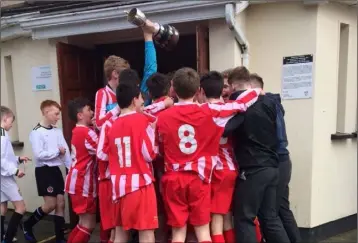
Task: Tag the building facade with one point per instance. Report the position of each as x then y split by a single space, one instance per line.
217 36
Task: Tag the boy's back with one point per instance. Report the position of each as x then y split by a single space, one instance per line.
131 141
190 136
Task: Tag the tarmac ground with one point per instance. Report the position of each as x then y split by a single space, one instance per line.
44 232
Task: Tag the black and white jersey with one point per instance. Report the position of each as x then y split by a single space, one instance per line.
45 143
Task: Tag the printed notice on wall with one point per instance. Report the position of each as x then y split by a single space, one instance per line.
41 77
297 77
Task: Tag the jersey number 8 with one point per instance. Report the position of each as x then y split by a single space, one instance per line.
187 144
127 161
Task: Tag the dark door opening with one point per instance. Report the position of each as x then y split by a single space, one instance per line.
184 54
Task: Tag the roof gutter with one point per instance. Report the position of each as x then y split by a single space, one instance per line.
231 9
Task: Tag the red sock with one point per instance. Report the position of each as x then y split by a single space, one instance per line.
258 231
110 241
229 236
83 235
104 234
218 239
205 242
72 235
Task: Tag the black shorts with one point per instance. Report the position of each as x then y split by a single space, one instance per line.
49 181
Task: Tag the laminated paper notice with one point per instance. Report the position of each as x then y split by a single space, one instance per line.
297 77
41 78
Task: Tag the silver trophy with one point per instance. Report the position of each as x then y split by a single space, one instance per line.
166 36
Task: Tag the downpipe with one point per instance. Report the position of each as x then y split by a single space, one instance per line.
231 9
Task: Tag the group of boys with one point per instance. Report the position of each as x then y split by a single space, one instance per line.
147 157
197 179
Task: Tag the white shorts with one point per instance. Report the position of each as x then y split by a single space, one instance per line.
9 190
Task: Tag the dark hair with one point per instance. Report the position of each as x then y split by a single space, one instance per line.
129 76
125 93
212 83
76 106
158 85
186 82
257 79
239 75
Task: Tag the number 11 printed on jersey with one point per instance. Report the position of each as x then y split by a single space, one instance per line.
124 156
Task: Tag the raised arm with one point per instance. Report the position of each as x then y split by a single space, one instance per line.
101 114
150 64
38 148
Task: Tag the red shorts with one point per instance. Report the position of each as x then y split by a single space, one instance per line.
222 189
82 205
106 206
137 210
186 199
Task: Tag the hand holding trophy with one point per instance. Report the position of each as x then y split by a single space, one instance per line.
166 36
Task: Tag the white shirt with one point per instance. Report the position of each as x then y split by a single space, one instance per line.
45 143
9 162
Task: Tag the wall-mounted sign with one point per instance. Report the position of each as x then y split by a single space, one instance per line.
297 77
41 77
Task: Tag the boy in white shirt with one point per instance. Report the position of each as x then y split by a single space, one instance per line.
50 151
9 169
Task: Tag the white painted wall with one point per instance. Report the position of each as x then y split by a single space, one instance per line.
275 31
324 177
25 54
334 167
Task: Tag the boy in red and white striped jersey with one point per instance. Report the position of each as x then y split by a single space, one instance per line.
81 181
190 134
128 76
131 150
225 171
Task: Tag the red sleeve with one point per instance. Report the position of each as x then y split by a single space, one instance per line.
102 148
222 113
154 108
91 141
100 109
149 149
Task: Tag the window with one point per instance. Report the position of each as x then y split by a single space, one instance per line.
342 78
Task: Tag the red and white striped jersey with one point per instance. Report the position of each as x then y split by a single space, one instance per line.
102 150
155 112
190 133
131 151
82 176
226 159
105 105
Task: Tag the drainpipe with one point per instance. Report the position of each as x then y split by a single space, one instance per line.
231 9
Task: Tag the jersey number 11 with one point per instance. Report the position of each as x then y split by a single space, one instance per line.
124 155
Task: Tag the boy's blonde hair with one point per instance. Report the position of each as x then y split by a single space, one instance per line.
6 112
114 63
